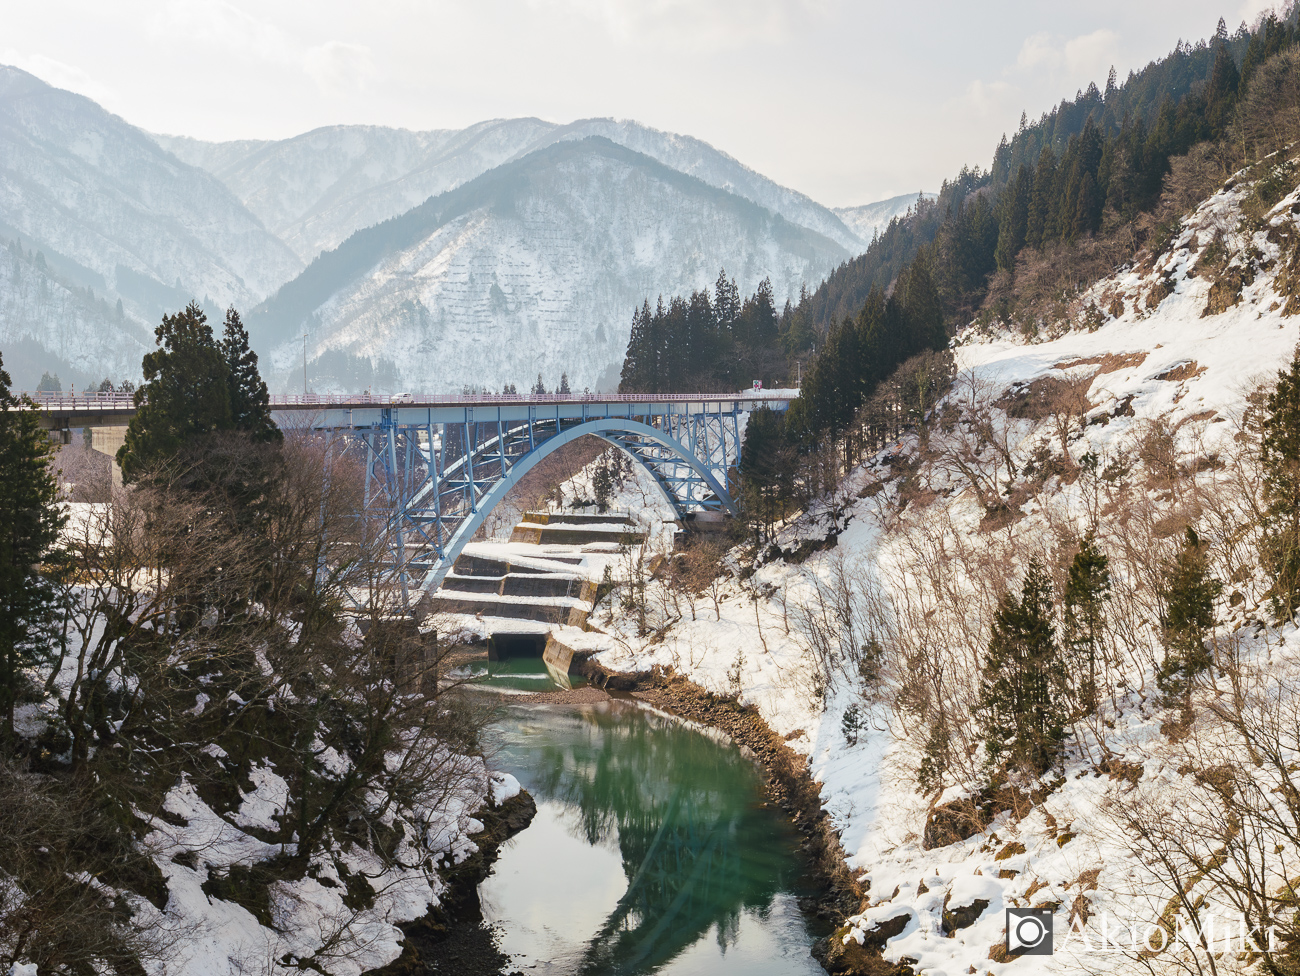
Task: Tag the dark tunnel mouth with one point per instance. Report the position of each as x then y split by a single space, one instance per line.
504 647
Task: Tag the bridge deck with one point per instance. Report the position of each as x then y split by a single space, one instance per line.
64 410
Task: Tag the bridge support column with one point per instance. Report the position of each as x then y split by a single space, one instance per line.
106 440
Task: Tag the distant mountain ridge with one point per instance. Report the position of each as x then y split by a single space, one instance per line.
94 213
103 194
431 260
535 266
316 189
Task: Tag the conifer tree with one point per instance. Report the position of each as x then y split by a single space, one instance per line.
934 756
1281 460
563 388
539 388
766 471
1189 592
186 393
30 520
250 403
602 483
1022 693
1087 589
1041 226
726 298
1014 219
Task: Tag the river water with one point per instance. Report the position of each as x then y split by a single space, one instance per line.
652 851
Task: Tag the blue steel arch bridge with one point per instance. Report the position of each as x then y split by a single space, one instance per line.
436 465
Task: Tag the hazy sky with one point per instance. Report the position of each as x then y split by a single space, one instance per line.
847 100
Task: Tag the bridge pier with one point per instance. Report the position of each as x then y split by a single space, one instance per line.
107 440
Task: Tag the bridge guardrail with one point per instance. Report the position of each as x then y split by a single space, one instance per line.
124 401
82 401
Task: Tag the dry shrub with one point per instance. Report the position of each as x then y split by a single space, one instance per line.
1157 449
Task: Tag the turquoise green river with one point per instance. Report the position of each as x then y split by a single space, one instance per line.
652 851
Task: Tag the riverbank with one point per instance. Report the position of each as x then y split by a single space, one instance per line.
452 938
789 784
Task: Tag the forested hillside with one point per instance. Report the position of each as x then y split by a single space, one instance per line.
1099 183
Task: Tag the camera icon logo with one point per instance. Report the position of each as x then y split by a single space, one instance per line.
1029 931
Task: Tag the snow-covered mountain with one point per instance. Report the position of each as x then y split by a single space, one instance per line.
869 219
481 255
111 216
535 266
316 189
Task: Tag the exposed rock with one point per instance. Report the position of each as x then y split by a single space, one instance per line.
846 957
1225 292
963 916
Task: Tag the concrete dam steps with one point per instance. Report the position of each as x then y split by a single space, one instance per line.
542 574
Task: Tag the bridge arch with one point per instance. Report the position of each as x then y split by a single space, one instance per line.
618 431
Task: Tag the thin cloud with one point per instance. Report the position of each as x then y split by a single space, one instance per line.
62 75
1086 54
1091 54
339 68
227 26
693 24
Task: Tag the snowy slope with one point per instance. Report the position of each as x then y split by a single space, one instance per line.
534 267
50 323
83 183
869 219
315 189
111 217
1164 369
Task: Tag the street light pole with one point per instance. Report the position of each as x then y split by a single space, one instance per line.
304 364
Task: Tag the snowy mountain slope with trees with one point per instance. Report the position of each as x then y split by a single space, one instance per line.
52 323
316 189
112 217
224 748
114 228
1030 636
534 267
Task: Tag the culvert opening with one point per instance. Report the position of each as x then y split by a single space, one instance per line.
504 647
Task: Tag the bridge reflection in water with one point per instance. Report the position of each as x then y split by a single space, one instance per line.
698 850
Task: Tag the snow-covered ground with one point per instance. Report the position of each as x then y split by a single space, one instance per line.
1156 371
310 919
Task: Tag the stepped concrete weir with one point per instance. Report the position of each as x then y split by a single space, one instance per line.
571 529
518 595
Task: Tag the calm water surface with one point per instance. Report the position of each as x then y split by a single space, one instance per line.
652 852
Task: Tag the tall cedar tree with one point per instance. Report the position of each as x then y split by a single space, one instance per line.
31 520
767 470
1281 459
1023 687
195 386
250 403
185 395
1189 592
1087 589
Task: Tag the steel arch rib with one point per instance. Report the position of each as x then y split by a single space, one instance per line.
600 427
